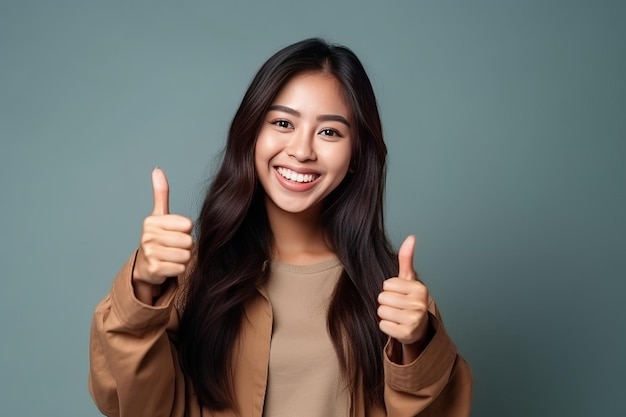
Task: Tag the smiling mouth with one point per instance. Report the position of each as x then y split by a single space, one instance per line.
295 176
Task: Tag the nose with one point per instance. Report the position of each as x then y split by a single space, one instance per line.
301 146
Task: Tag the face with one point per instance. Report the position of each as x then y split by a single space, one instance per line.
303 150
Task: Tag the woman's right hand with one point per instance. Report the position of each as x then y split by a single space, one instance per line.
165 246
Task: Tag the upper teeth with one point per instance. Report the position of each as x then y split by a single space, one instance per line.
294 176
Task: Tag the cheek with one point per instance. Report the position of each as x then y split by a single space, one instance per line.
339 159
256 155
260 151
265 147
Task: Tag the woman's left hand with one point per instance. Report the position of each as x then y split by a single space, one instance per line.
403 303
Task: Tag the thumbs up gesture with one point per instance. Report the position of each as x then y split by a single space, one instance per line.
165 245
403 303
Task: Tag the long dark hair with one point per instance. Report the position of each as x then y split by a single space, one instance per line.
234 239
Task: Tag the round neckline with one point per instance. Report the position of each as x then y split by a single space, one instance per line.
324 265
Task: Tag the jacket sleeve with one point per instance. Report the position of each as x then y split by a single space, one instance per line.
438 383
134 368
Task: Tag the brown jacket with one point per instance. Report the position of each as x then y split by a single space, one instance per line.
134 368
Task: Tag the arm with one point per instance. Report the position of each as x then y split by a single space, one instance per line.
437 383
134 368
424 374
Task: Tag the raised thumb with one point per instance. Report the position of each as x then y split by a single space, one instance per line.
160 192
405 259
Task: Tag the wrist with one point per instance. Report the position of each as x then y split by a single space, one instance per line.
411 351
145 292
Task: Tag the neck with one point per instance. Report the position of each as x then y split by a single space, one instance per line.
299 238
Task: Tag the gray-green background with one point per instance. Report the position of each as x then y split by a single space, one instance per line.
506 125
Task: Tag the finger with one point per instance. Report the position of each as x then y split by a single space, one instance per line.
160 192
173 255
390 328
168 269
177 240
413 298
171 222
405 259
405 326
391 314
401 332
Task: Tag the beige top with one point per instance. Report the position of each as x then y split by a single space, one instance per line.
304 375
134 369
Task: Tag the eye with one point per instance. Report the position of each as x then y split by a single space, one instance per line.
283 124
330 132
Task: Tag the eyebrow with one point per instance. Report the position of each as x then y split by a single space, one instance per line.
321 118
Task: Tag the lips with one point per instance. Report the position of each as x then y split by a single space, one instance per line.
297 176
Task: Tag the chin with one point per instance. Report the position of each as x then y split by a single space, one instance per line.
295 207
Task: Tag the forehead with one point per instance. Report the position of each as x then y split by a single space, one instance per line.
314 92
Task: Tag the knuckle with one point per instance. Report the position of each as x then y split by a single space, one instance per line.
416 319
148 252
404 334
187 241
149 222
382 326
153 269
416 305
421 288
146 237
186 257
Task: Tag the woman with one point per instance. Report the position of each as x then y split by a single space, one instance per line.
291 300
